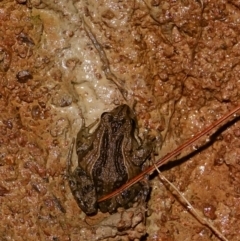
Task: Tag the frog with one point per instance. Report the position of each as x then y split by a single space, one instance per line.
108 157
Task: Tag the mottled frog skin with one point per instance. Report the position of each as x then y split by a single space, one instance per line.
107 159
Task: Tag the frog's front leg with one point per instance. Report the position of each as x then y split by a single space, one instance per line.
141 154
137 193
85 139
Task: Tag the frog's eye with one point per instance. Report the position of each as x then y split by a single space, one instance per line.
106 116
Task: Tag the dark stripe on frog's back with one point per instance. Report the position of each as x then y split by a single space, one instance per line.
87 159
109 171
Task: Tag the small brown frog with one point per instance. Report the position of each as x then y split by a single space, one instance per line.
107 159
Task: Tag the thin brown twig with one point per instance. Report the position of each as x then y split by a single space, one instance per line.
189 206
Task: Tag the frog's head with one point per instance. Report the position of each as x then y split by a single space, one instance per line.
121 118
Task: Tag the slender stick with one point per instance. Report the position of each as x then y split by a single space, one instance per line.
189 206
174 153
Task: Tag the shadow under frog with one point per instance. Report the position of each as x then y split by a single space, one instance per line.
107 159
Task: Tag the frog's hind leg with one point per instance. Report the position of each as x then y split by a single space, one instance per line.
143 195
109 205
82 186
138 193
83 190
